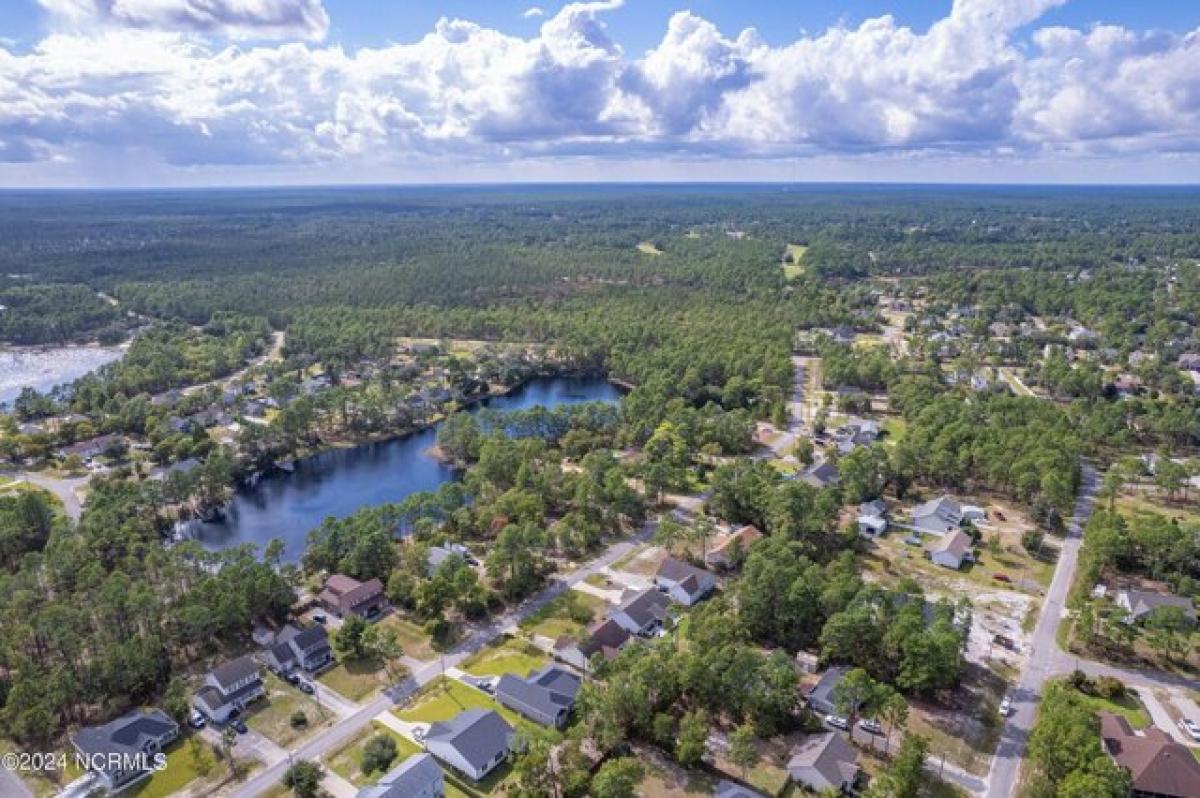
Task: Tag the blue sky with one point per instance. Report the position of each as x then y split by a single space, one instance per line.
216 92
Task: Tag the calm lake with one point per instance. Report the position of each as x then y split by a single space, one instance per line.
44 368
338 482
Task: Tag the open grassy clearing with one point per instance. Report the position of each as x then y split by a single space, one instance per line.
444 698
355 679
795 268
410 636
193 767
346 761
569 614
1144 501
272 717
505 655
648 248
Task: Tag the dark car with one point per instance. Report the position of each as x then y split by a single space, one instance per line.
292 679
319 619
239 726
305 688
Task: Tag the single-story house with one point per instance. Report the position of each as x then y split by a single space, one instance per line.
821 475
721 554
93 447
418 776
731 789
546 697
116 750
952 550
300 649
605 638
473 742
1158 766
344 595
938 516
820 697
824 761
229 688
1140 603
643 613
685 584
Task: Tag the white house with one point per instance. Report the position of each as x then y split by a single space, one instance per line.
685 584
952 550
473 742
229 688
824 761
642 613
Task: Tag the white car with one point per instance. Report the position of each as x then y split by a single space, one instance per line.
837 722
870 726
1005 707
1191 727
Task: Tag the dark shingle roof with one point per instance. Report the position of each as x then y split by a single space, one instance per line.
477 734
411 777
646 607
125 735
234 671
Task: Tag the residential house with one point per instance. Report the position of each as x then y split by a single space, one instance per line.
605 638
824 761
872 518
855 433
721 555
938 516
952 550
685 584
731 789
643 613
473 742
820 697
546 697
121 751
821 475
92 447
297 649
344 595
229 688
1140 603
418 776
1158 766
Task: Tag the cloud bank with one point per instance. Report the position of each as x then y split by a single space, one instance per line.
176 82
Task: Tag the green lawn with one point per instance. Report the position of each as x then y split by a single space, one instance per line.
443 698
271 717
505 655
355 679
648 248
794 269
569 614
1126 706
346 761
44 784
410 636
183 769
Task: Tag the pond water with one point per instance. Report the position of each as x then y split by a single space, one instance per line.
338 482
44 368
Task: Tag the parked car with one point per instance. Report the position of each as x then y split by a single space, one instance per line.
196 720
1002 577
488 685
305 687
870 726
837 722
913 540
319 619
1005 707
292 679
239 726
1191 727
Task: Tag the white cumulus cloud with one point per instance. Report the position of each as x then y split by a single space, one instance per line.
241 19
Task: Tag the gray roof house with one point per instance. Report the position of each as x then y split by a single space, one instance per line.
642 613
228 688
820 697
1140 603
546 697
684 583
937 516
473 742
821 475
121 751
824 761
731 789
605 638
952 550
418 776
306 649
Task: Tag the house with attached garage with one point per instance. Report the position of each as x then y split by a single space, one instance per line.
952 550
344 595
872 518
824 761
546 696
418 776
473 742
1141 603
943 515
642 613
229 688
685 584
300 649
605 638
116 750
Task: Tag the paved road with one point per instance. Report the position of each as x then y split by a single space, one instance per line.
65 490
11 784
352 724
1045 659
